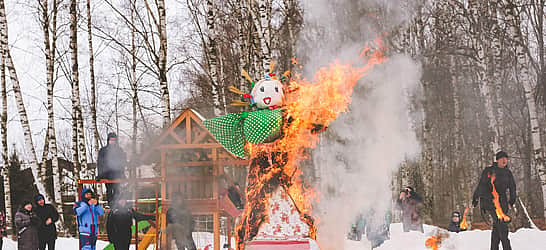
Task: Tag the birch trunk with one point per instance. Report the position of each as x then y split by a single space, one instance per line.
5 153
163 63
20 103
51 139
243 44
262 23
523 77
212 54
480 44
134 86
96 136
75 89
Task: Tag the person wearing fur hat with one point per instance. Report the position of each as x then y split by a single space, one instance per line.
410 202
501 177
455 224
27 224
48 217
111 165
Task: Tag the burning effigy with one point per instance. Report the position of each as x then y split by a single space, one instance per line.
289 114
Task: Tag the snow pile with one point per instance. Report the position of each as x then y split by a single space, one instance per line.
523 239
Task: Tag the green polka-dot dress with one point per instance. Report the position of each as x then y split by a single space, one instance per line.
234 130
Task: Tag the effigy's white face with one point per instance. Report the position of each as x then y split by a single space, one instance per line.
267 93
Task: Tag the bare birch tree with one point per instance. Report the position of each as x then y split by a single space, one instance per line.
20 103
4 139
96 135
51 139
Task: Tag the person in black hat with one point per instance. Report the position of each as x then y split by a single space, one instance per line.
27 224
111 165
455 224
410 203
503 181
47 233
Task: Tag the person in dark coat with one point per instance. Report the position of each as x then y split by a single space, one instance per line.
48 215
27 224
455 223
119 222
88 211
111 165
410 202
504 181
181 223
3 232
377 227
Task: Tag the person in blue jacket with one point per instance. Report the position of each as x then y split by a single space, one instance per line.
88 212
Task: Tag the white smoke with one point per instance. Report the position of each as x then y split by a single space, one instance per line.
362 150
366 146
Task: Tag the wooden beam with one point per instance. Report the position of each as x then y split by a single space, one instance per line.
165 133
163 228
188 129
190 146
216 226
207 163
176 137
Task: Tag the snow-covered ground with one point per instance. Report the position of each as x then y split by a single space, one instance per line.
523 239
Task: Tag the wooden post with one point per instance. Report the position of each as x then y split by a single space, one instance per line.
216 213
157 215
135 196
163 196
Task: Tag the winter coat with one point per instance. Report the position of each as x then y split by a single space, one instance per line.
454 227
119 222
111 162
411 218
47 232
88 216
3 232
504 181
27 224
180 220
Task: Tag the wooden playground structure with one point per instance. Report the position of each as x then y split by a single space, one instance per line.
190 162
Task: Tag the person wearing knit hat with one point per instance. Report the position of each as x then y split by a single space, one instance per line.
503 180
27 224
47 234
111 164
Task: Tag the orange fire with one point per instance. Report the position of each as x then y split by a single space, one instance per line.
496 202
310 106
464 224
432 242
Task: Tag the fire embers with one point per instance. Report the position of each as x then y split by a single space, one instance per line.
464 224
496 201
435 241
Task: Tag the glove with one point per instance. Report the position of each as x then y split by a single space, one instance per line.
474 203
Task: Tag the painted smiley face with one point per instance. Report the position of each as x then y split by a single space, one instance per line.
268 93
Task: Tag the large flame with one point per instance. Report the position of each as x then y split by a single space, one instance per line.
310 107
498 210
464 224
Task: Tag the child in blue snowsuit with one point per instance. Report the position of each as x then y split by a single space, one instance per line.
88 212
